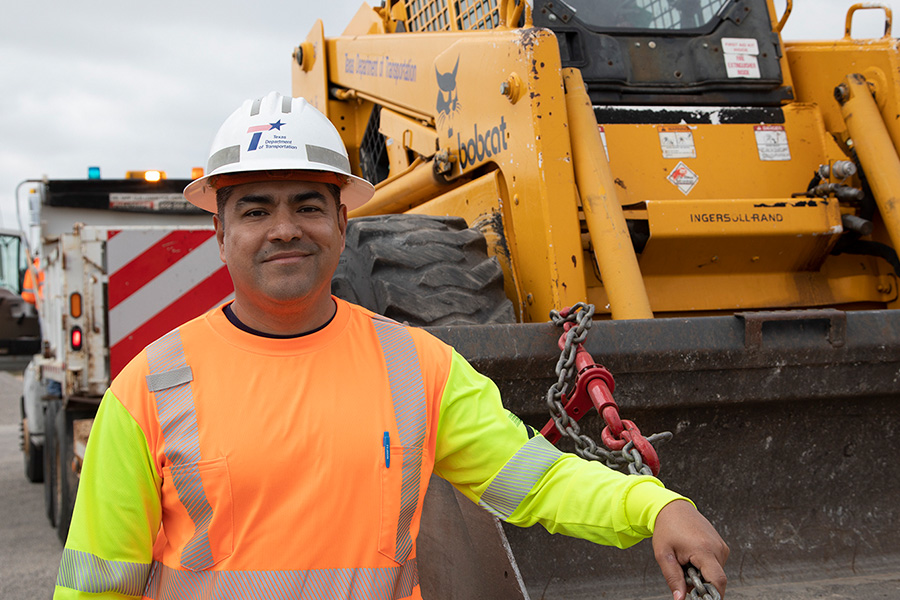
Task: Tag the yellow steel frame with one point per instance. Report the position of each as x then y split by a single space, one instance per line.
509 142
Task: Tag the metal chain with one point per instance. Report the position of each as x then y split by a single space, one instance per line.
581 315
692 577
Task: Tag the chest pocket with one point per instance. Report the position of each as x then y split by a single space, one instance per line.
201 487
401 481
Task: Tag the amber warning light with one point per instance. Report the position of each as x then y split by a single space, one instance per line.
75 305
151 176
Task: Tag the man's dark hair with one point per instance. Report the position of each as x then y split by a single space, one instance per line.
223 194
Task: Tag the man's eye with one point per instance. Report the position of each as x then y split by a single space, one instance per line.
256 212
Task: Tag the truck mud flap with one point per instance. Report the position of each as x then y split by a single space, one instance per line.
785 429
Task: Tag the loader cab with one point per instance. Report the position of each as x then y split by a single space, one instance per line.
665 52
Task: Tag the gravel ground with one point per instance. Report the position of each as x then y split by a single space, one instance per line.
29 549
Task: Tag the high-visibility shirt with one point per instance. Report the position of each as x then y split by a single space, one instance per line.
224 464
29 289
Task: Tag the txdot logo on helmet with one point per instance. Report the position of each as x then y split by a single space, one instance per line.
257 131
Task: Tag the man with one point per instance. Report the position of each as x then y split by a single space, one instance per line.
279 446
33 283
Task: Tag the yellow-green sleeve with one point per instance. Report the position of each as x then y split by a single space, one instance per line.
117 512
515 473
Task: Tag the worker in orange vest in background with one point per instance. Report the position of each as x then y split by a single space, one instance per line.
29 293
219 465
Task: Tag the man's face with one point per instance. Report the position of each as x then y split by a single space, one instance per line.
281 241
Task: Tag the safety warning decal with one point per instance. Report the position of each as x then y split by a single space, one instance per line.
603 139
683 178
740 46
740 57
676 141
772 142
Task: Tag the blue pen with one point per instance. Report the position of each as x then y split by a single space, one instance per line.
387 449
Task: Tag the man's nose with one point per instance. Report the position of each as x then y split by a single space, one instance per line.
284 227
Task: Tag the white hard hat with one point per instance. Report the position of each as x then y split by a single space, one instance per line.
277 133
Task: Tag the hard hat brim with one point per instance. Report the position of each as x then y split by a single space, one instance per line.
202 194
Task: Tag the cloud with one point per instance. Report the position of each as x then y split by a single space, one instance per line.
136 86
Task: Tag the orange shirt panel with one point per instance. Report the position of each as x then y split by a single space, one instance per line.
291 435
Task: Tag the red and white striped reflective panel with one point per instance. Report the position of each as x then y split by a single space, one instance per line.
159 279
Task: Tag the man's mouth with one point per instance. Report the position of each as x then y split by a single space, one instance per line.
286 256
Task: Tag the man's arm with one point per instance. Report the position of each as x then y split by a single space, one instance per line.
117 512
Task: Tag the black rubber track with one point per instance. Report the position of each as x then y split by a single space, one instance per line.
422 270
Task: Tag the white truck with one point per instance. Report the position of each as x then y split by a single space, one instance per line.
125 261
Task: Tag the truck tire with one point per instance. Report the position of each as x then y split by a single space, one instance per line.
32 453
68 470
422 270
51 409
67 478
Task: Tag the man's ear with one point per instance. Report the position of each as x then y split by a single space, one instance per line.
342 223
220 237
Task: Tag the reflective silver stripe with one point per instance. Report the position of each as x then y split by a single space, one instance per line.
178 422
386 583
286 102
225 156
327 156
162 381
410 411
254 108
518 476
85 572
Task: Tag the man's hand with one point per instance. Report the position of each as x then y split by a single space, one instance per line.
682 535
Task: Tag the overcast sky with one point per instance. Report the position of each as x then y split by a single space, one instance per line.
126 85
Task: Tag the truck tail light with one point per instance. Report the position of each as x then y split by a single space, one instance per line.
76 338
75 305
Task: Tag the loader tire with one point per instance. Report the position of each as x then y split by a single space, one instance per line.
421 270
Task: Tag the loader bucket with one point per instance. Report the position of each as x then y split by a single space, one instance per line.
463 552
785 429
